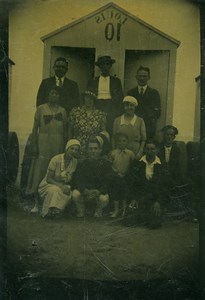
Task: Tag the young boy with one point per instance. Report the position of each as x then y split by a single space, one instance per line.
146 186
121 159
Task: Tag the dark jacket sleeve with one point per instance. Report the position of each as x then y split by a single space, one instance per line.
157 103
105 176
79 177
116 94
76 95
92 85
41 95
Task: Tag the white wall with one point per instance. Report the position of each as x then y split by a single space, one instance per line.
30 20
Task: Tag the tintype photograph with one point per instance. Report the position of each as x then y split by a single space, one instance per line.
103 155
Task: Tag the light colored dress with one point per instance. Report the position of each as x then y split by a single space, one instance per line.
86 125
51 194
49 141
135 131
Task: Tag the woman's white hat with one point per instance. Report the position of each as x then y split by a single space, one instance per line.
130 99
72 142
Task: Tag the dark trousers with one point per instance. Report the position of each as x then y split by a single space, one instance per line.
144 213
118 188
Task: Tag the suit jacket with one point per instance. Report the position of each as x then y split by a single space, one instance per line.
140 186
69 96
93 174
149 107
115 91
173 166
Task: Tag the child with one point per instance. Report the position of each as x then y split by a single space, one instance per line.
146 186
121 159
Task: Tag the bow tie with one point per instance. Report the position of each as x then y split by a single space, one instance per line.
57 117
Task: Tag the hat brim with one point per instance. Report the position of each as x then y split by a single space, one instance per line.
112 61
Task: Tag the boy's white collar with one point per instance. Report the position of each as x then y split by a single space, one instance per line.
156 161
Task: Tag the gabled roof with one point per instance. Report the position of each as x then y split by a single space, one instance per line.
101 9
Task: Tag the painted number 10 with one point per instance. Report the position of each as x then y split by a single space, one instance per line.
110 31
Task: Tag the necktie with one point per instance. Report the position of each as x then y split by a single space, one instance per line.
167 154
141 91
60 82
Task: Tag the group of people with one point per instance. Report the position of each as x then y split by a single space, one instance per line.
100 151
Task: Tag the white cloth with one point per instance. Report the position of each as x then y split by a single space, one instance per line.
167 153
149 171
104 88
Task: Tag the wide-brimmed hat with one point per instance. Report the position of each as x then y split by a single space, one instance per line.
103 58
89 93
130 99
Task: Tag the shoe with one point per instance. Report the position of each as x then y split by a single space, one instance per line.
124 212
34 210
115 214
116 210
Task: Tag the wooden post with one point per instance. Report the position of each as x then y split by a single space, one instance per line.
202 156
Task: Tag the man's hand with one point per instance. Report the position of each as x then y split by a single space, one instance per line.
133 204
139 155
66 189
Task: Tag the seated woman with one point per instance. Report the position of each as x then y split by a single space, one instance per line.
49 136
86 121
55 188
146 186
132 125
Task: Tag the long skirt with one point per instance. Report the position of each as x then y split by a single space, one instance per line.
53 197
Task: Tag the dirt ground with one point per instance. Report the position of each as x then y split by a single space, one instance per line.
98 249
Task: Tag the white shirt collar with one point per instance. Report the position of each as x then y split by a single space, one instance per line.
156 161
101 76
62 78
132 121
168 147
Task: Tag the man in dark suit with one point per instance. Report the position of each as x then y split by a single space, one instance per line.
149 103
108 90
91 181
169 154
70 93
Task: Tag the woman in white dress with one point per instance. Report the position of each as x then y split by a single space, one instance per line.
55 188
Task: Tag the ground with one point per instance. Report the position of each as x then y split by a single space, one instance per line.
98 249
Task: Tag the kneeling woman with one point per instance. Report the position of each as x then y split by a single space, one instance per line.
55 188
